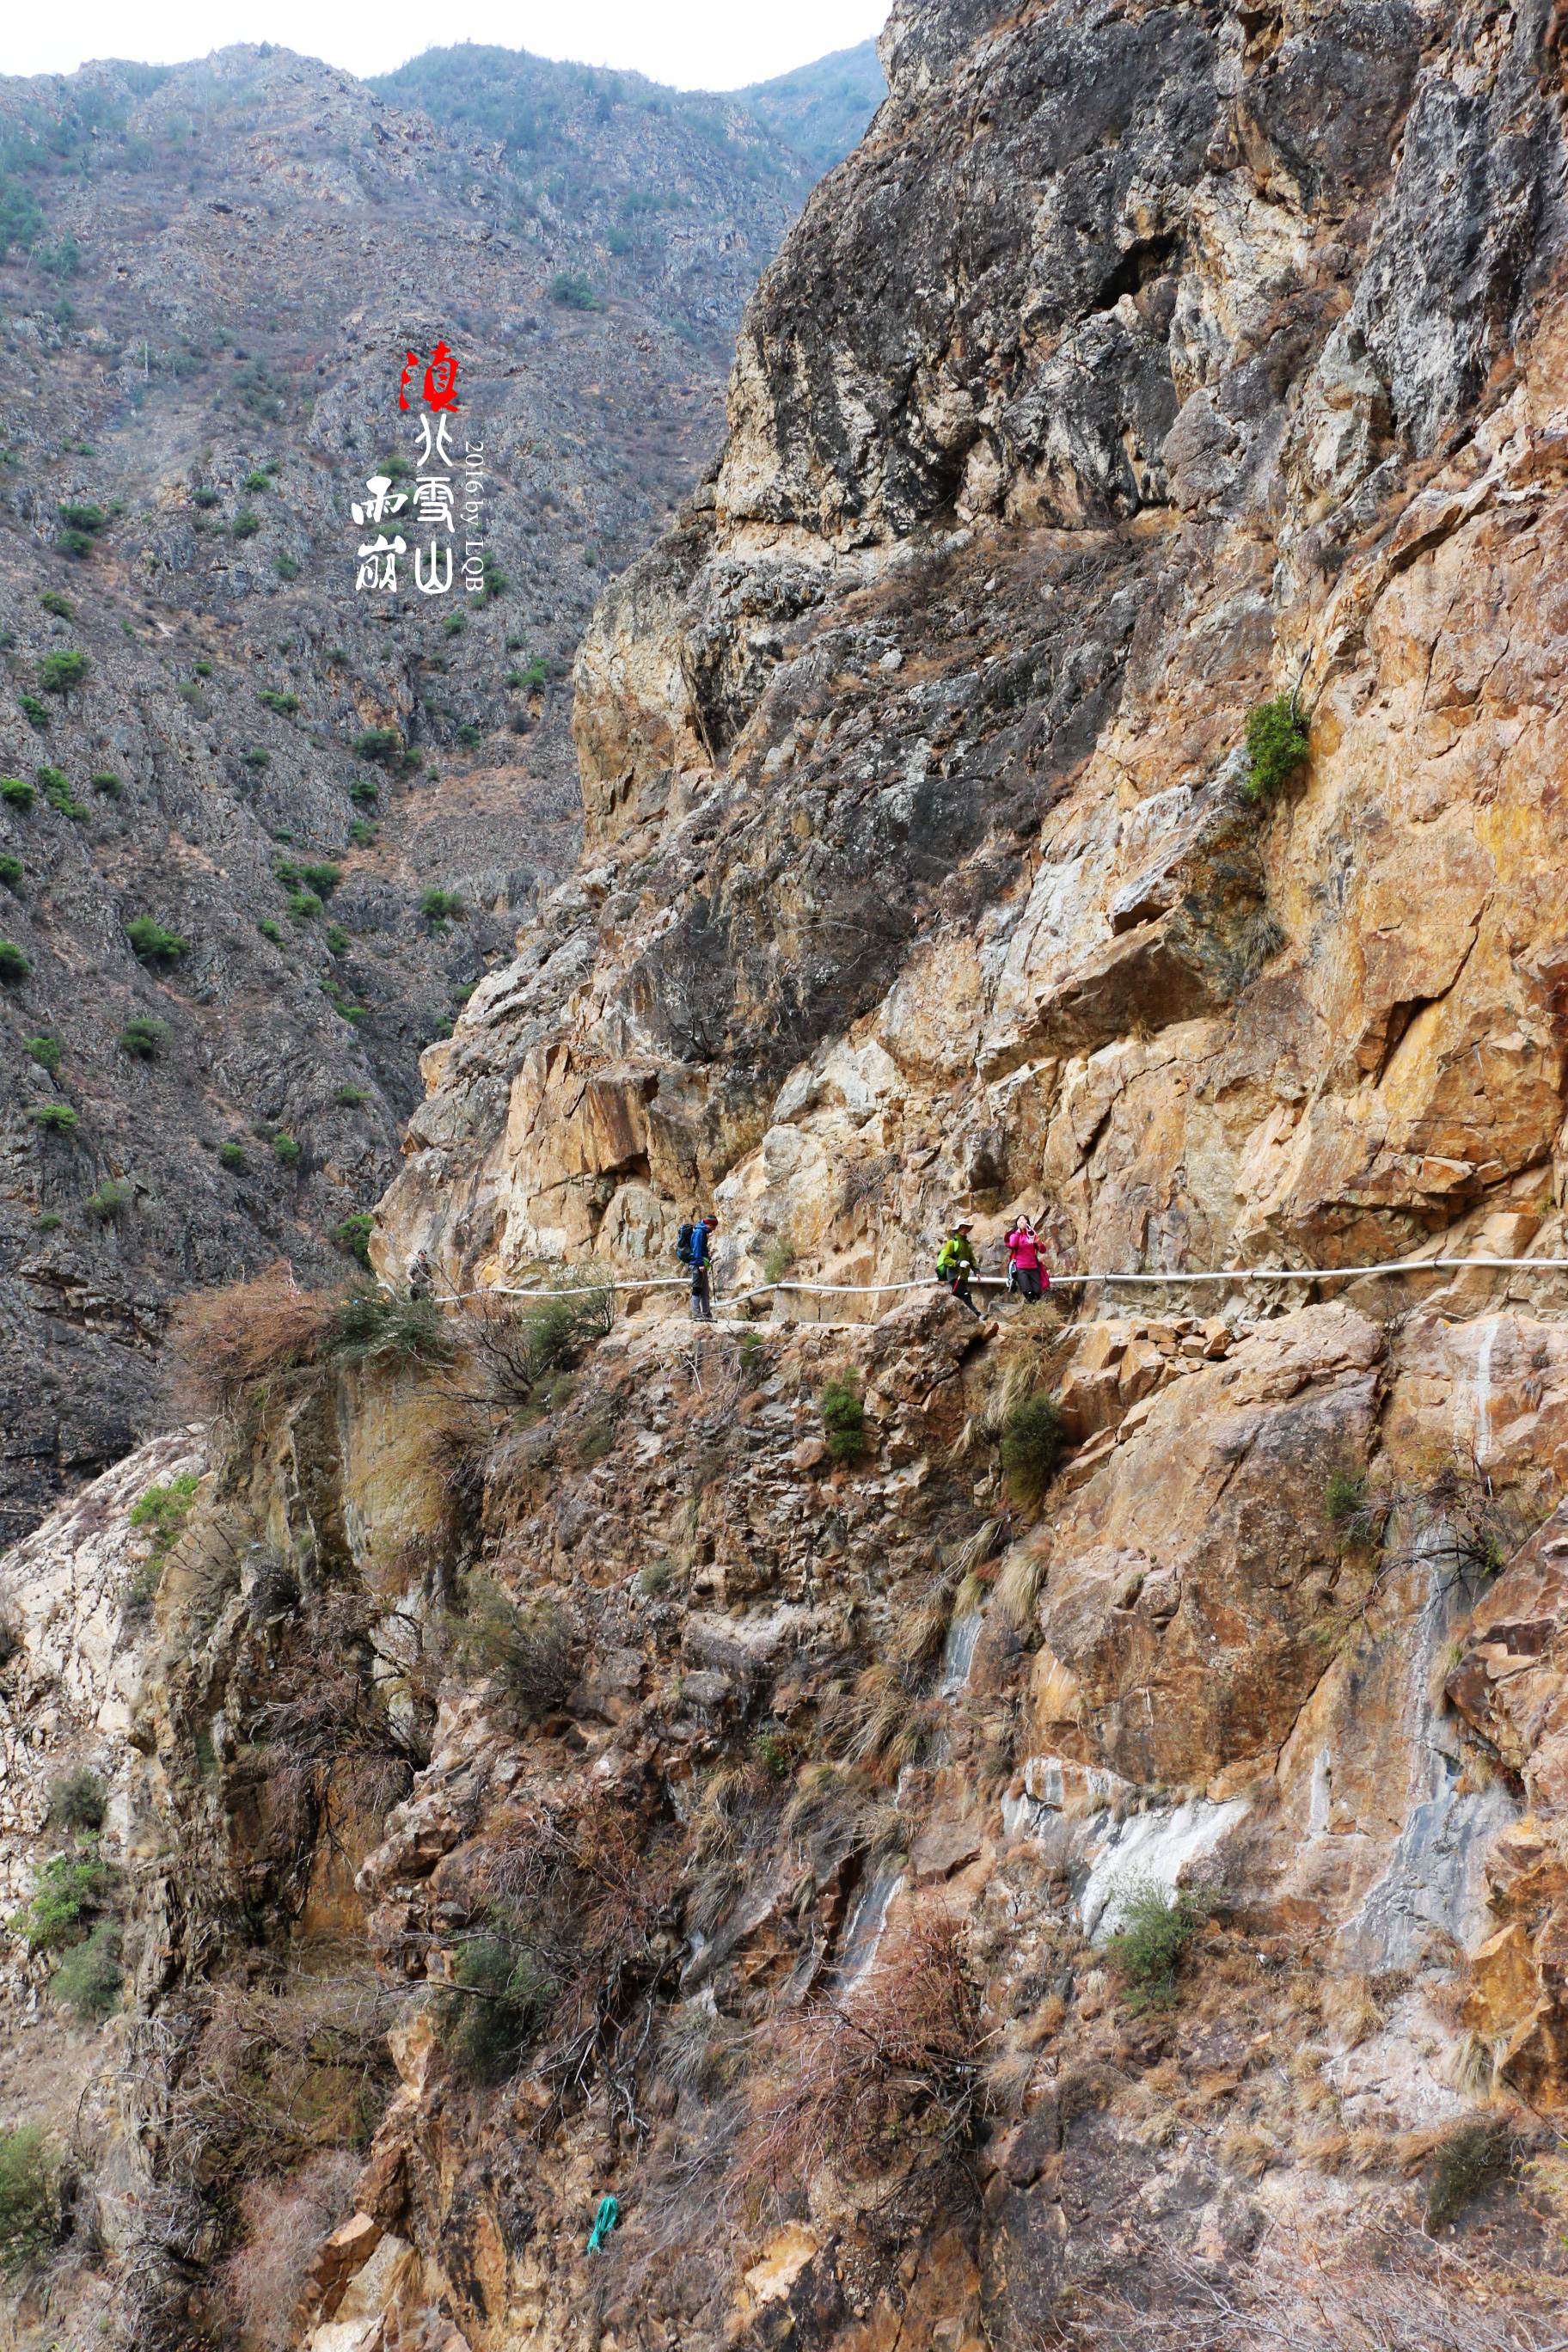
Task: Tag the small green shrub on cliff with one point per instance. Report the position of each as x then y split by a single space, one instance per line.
60 606
64 1889
90 1979
442 906
29 2196
78 1801
1343 1496
14 964
150 942
162 1511
503 1992
106 781
370 1326
245 524
532 1652
54 1118
232 1155
843 1419
1276 744
34 712
353 1233
110 1201
11 872
1031 1447
17 792
143 1037
46 1052
1149 1947
285 705
56 787
60 671
286 1149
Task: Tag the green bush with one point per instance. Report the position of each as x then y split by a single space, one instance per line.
844 1419
530 1650
202 669
232 1155
323 879
151 943
286 566
17 793
205 497
1149 1947
110 1201
1343 1496
304 905
286 1148
11 871
34 712
54 1118
354 1232
245 524
67 1887
1276 744
338 940
78 1801
106 781
365 791
62 669
441 906
54 785
455 623
162 1511
381 744
269 931
144 1036
573 292
256 758
80 516
1031 1447
257 481
351 1097
14 964
48 1223
47 1052
493 580
504 1992
60 606
371 1326
29 2196
361 833
90 1979
285 705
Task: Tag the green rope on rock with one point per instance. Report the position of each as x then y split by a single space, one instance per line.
605 2221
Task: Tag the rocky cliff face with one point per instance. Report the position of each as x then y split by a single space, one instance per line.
209 278
1050 1830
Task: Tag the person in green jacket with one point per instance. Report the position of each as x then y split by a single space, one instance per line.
956 1262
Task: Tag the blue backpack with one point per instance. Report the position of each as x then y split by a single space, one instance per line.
683 1243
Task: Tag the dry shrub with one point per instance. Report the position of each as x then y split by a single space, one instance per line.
281 2073
225 1341
890 2071
1389 2291
286 2223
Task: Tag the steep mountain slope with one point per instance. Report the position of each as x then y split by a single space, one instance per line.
821 110
921 1829
212 276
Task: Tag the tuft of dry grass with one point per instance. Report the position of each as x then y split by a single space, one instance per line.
224 1341
286 2225
888 2073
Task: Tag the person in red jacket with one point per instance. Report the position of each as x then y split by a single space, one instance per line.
1030 1276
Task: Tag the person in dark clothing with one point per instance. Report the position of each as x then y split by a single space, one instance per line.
702 1266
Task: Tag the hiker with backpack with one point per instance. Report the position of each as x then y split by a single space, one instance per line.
700 1257
1026 1272
956 1262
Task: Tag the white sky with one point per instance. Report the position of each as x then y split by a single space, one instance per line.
695 44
